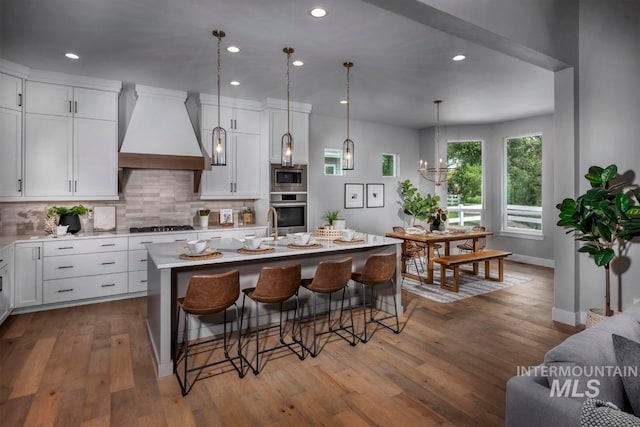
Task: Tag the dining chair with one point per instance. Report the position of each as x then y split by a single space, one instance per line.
467 246
411 251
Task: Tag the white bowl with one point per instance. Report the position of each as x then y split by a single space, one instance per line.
197 246
253 242
348 234
301 238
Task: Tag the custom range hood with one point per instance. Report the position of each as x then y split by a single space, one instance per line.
160 136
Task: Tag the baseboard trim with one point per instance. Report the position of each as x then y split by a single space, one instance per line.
567 317
542 262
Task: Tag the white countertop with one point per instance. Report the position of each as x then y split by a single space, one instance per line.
6 241
166 255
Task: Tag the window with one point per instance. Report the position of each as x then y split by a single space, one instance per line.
389 165
464 184
523 189
332 161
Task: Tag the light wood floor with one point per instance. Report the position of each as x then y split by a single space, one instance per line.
92 366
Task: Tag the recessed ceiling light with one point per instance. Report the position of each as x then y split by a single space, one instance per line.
318 12
234 83
343 101
459 58
71 55
233 49
298 63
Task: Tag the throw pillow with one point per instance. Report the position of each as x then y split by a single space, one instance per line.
596 413
628 357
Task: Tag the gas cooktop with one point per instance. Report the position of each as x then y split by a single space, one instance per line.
160 228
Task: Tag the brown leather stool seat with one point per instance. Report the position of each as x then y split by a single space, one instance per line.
378 270
275 285
330 277
207 295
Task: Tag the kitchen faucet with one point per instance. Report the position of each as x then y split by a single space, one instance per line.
275 223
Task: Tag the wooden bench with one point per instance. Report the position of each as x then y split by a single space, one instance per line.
455 261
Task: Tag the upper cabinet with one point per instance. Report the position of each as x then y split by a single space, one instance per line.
242 175
298 127
71 141
10 136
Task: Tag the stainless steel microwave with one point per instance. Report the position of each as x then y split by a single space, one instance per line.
288 180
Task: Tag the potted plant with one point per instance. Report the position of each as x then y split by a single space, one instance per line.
420 207
331 216
203 215
247 215
437 217
602 217
69 216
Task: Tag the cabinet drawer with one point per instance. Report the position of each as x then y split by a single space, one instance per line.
84 287
139 242
137 281
58 267
138 260
83 246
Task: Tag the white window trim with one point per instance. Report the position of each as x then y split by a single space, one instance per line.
396 165
483 213
505 230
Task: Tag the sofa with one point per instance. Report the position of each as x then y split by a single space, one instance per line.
584 368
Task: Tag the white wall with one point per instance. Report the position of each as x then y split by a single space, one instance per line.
609 97
538 251
371 140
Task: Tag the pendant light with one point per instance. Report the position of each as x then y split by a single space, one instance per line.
219 135
287 138
347 145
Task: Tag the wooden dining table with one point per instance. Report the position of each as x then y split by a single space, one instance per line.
430 239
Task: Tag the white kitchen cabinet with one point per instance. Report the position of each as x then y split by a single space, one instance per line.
6 283
10 136
241 177
27 274
71 142
299 128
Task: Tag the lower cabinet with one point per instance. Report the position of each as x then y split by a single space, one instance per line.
75 288
27 274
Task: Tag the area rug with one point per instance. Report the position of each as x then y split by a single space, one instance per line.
470 285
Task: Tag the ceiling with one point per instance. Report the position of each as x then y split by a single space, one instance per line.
401 66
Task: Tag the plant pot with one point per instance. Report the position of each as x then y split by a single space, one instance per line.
204 221
247 218
339 224
73 221
437 226
595 315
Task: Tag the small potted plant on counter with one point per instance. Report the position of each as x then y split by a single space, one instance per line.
330 217
203 215
69 216
247 215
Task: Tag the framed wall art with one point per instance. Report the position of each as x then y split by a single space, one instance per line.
375 195
226 217
353 196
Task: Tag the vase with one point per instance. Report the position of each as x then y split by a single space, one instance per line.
436 226
204 221
247 218
339 224
73 221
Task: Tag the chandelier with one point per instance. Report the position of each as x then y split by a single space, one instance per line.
439 173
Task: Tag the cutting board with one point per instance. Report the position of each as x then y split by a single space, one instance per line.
104 218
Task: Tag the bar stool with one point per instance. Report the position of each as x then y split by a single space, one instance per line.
330 277
379 269
206 295
275 285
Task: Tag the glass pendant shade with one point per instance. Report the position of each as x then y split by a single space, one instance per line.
287 139
347 154
219 145
219 135
347 145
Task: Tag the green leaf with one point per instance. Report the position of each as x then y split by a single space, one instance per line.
595 195
592 250
604 257
633 212
605 231
622 202
594 176
609 173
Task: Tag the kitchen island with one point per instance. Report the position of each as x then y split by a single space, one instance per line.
168 276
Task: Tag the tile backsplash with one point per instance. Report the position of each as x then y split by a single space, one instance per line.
150 197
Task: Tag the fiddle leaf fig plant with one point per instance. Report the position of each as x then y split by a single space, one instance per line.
601 217
417 206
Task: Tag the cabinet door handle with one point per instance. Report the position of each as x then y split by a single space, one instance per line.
108 263
180 240
141 281
143 260
19 100
69 186
38 252
65 247
108 244
75 105
144 243
65 266
70 106
19 186
0 283
107 286
75 186
65 290
231 187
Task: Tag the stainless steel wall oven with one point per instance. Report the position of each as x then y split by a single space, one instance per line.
292 212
